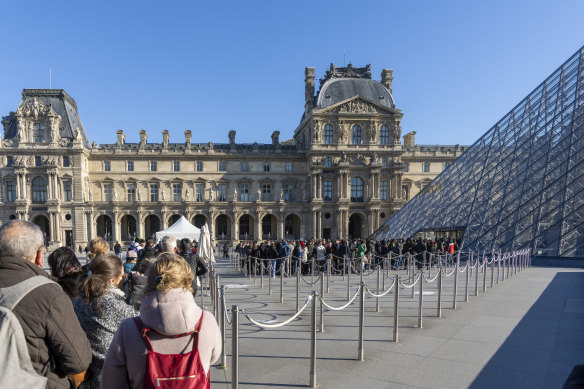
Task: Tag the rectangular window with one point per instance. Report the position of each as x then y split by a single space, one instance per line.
199 165
38 133
288 192
221 166
9 161
328 191
154 189
177 192
153 166
10 191
384 161
66 161
244 166
244 192
67 190
426 167
107 166
176 166
130 166
38 161
289 167
266 192
222 192
131 193
383 190
199 192
107 192
266 166
406 167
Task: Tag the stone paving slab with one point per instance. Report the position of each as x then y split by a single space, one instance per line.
518 334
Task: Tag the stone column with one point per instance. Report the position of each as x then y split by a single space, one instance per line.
319 224
258 229
117 233
57 237
235 228
55 187
211 225
302 227
320 185
314 226
89 216
280 232
140 226
18 186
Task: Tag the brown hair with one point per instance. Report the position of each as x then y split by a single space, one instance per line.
101 270
168 272
97 246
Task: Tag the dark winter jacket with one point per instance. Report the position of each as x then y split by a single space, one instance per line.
50 326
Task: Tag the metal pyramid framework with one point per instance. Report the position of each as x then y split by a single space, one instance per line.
521 185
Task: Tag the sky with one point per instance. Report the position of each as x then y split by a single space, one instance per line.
212 67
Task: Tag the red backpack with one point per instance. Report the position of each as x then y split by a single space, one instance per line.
173 370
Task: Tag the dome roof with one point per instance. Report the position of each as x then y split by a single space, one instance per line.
340 89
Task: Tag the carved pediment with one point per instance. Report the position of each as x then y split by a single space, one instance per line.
357 106
35 109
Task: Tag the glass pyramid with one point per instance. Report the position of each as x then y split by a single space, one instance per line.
521 185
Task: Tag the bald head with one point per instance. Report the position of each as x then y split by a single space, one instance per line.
20 239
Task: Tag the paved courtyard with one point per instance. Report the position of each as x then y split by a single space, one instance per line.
525 332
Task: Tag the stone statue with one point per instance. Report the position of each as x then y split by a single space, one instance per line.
90 195
187 194
211 195
235 194
281 195
139 195
259 194
163 194
115 193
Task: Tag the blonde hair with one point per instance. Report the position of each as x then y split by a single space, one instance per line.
170 271
97 246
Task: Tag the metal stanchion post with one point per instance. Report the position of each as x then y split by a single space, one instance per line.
349 282
270 277
262 273
328 273
467 279
395 309
492 270
439 308
223 323
312 270
282 284
484 273
498 267
313 342
298 270
361 320
456 266
508 265
385 260
477 275
255 270
248 267
235 346
421 304
378 282
321 305
344 266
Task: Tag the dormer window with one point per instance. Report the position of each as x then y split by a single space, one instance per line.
37 134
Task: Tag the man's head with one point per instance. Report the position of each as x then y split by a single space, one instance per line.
169 244
22 239
150 242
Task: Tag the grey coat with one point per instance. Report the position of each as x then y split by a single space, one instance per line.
101 325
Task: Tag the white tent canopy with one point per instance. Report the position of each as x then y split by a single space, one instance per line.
179 230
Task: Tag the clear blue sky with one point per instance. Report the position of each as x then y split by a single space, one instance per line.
210 67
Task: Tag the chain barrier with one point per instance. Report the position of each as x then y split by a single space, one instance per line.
344 306
263 324
382 294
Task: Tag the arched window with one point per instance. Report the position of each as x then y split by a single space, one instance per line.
357 190
384 135
37 133
328 162
356 135
39 190
328 134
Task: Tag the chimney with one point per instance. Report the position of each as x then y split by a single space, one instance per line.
165 137
232 139
387 78
410 139
188 136
121 138
276 139
308 90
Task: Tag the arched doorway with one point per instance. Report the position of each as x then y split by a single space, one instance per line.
292 227
104 227
199 221
152 225
269 227
128 226
173 219
355 226
222 227
246 227
43 224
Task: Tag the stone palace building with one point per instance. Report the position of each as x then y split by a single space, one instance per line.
344 172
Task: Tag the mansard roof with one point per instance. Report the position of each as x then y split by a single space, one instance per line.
60 102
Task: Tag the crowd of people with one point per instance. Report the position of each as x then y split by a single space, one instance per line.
109 324
342 253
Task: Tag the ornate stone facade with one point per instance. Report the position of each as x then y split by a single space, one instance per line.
341 175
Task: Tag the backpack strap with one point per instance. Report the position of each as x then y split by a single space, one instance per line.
145 330
11 296
197 330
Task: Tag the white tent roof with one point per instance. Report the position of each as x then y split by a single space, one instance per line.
179 230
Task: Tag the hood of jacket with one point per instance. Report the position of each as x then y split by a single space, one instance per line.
171 313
